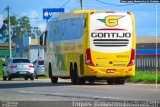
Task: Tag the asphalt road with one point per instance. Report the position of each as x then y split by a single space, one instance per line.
43 93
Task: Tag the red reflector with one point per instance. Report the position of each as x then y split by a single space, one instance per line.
13 66
88 57
131 62
91 13
129 13
31 66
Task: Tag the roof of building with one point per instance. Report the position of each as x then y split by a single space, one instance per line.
148 39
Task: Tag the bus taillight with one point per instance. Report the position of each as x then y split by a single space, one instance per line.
88 57
132 59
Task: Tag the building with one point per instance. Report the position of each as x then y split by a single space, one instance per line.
148 53
4 50
28 47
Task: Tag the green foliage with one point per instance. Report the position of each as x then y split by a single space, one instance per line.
145 76
19 27
1 67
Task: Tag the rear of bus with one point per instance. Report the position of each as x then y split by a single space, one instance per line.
111 51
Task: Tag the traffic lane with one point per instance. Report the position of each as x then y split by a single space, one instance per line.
94 91
101 92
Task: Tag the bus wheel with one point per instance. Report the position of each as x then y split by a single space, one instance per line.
53 79
78 79
91 81
72 75
110 81
119 81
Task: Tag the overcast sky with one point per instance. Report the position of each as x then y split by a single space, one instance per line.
145 13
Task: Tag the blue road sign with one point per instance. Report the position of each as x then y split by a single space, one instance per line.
48 12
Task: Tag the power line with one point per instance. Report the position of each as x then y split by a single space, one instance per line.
3 11
22 16
65 3
114 4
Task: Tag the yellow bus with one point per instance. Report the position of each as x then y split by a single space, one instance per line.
88 45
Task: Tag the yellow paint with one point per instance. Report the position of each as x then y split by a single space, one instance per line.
112 20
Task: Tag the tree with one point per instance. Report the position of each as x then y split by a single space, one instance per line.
19 27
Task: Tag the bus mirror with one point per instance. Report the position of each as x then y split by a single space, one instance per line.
41 40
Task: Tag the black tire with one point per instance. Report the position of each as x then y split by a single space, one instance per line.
32 78
53 79
50 71
110 81
4 78
119 81
36 76
72 75
91 81
26 78
9 78
78 79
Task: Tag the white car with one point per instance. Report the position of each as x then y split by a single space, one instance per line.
39 68
18 67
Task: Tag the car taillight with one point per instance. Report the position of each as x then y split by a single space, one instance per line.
31 66
132 61
13 66
88 57
38 62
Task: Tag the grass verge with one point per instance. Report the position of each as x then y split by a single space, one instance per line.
145 76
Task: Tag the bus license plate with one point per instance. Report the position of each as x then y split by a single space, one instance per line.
22 72
111 70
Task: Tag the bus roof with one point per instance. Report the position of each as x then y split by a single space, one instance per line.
97 11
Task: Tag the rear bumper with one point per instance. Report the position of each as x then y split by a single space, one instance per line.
18 74
101 72
40 73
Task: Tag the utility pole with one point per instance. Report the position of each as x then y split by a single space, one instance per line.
81 1
9 33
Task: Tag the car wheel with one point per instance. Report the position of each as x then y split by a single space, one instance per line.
26 78
32 78
9 78
36 76
4 78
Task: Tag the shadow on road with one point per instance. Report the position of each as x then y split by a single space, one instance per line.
27 84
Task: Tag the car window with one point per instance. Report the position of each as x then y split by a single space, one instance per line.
21 61
41 62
